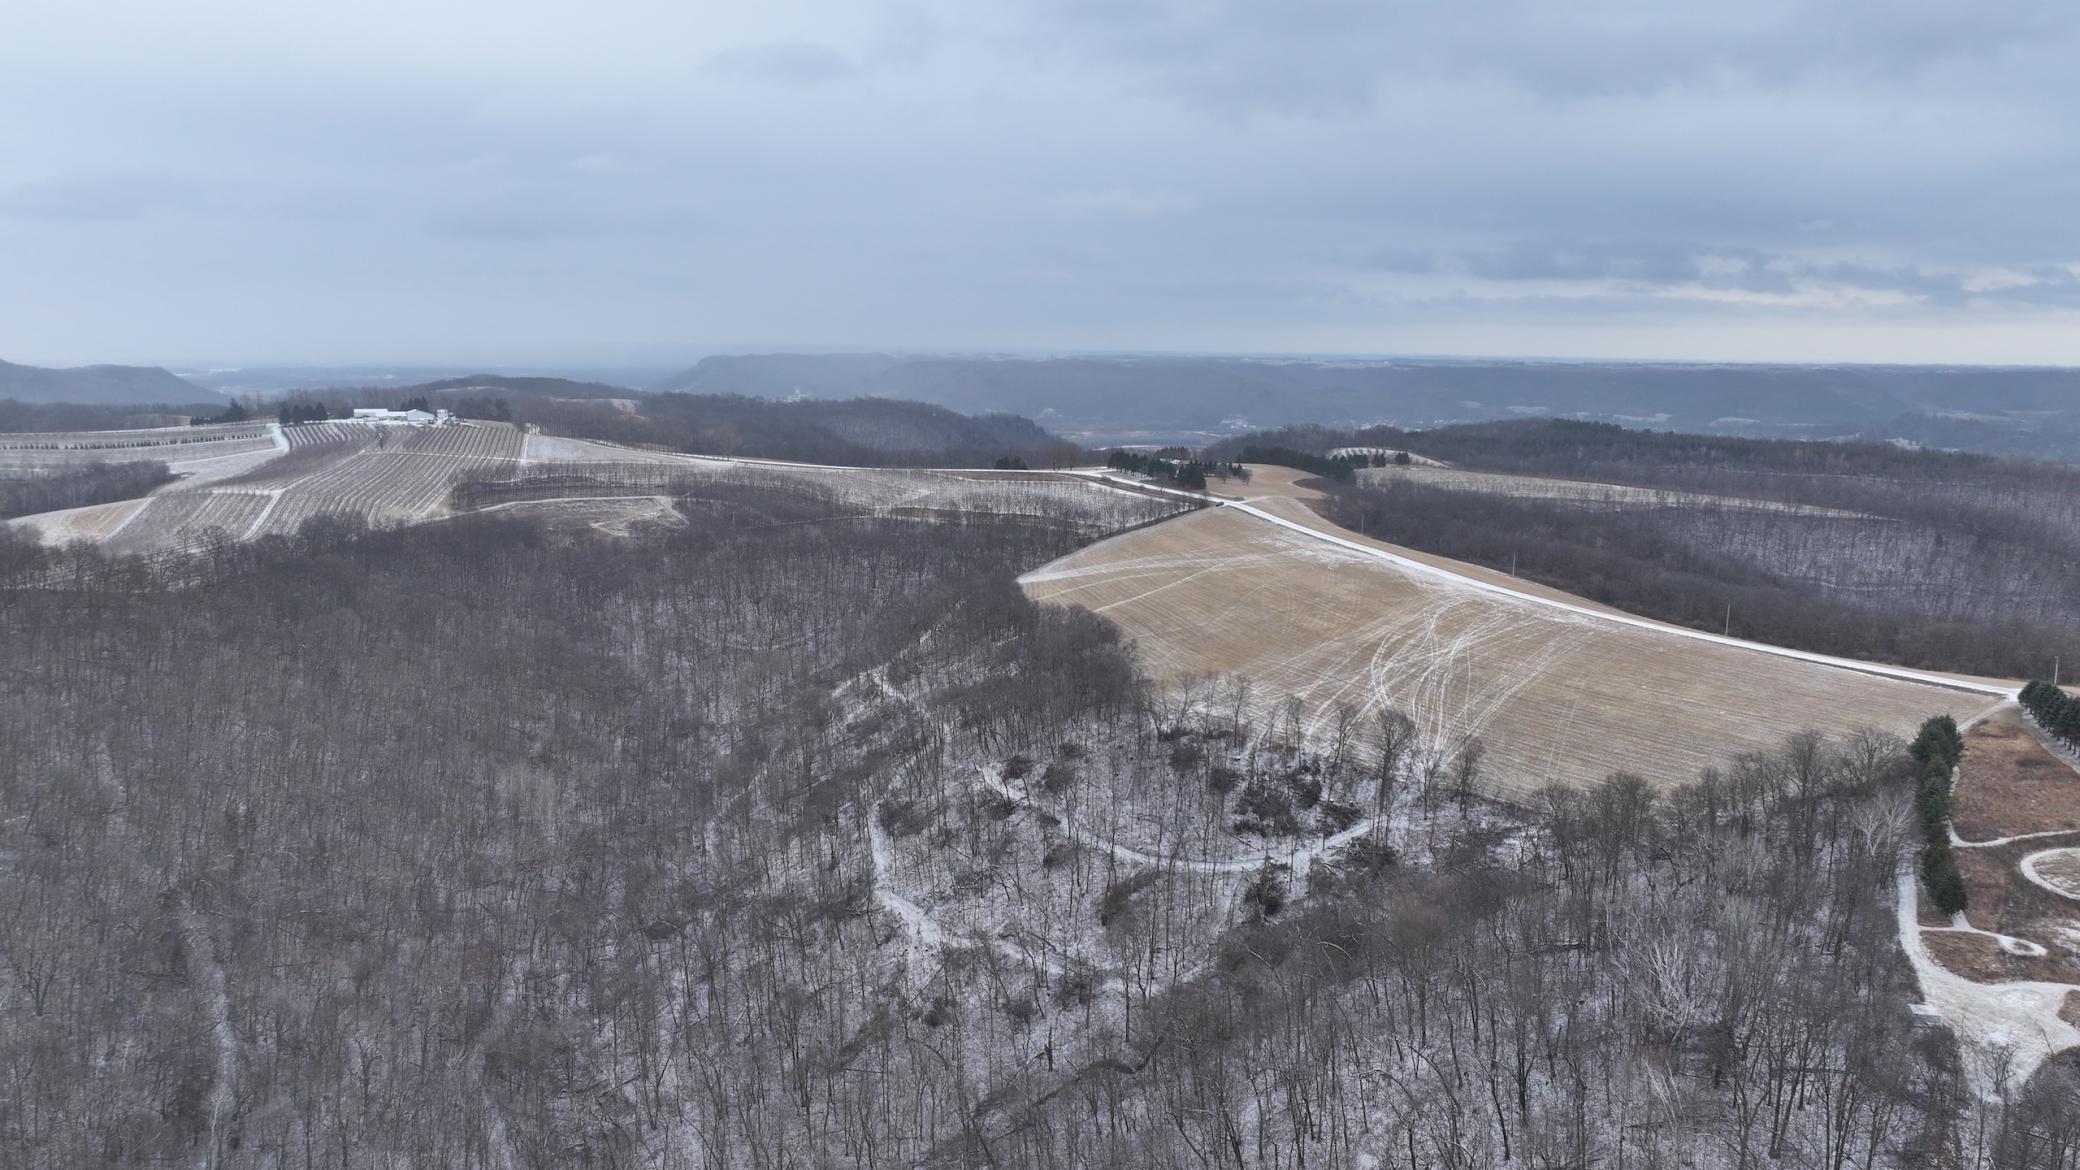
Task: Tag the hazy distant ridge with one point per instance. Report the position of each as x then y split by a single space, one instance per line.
99 385
2020 410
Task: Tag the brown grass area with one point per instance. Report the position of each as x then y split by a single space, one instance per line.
1981 959
1265 480
2070 1012
1974 956
2004 901
2010 783
1989 875
1557 697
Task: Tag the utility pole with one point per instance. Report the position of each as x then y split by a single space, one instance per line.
1727 631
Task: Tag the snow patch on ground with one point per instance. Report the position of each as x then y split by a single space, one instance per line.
2029 865
2004 1030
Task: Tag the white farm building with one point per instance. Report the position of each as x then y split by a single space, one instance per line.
379 415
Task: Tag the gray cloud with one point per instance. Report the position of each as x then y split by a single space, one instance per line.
95 196
1791 178
1339 56
784 62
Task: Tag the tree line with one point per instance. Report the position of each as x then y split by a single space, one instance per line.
865 432
79 486
234 412
1879 589
1937 750
1176 466
2057 712
28 417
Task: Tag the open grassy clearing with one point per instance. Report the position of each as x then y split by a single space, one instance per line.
2004 902
91 523
1556 697
540 448
1982 959
2011 784
614 515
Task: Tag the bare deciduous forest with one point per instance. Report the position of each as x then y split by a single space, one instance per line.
1866 550
798 837
77 487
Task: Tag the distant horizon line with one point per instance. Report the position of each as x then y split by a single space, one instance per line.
512 368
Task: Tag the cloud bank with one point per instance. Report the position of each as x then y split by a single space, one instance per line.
636 180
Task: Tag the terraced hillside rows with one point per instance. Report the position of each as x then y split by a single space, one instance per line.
162 439
391 475
180 518
198 454
1555 697
274 479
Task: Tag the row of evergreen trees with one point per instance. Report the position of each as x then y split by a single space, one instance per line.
293 413
1175 464
1937 750
2057 712
236 412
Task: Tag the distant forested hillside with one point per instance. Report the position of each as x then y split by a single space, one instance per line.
98 385
2010 410
1947 561
870 432
866 432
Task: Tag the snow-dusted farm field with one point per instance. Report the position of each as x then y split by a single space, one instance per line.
1556 697
256 480
157 442
261 480
198 454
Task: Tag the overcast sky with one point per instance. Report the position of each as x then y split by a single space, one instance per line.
641 180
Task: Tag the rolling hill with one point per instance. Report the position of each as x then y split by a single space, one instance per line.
2024 411
99 385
